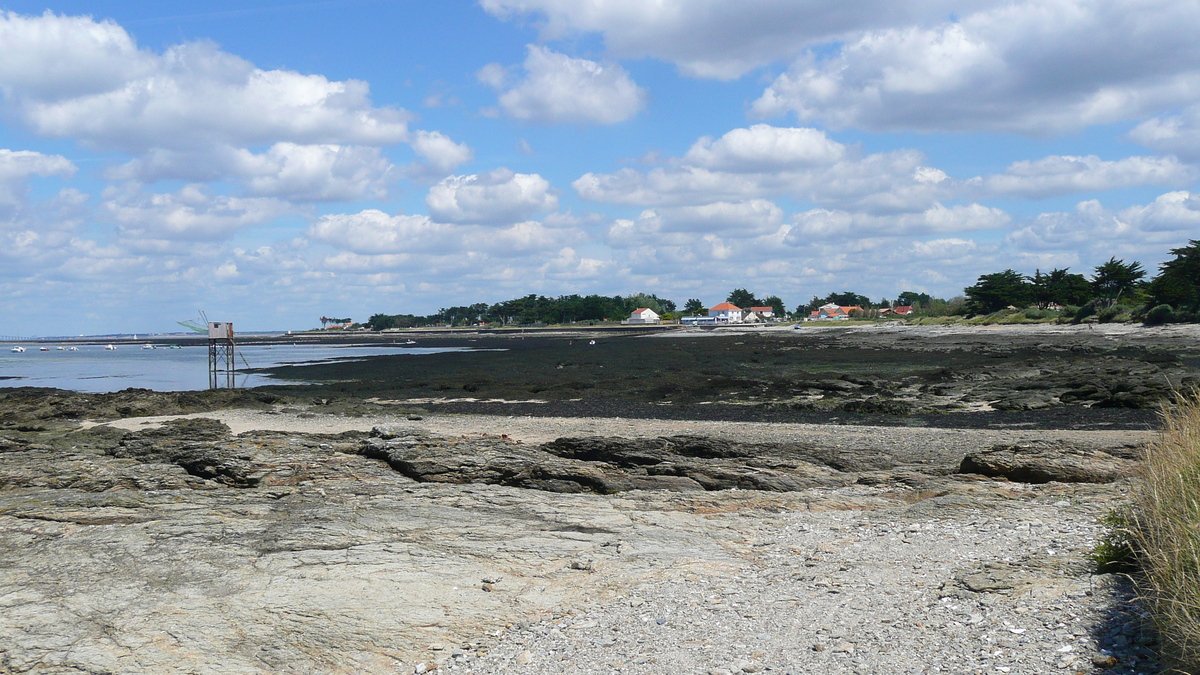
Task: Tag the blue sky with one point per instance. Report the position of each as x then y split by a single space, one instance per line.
272 162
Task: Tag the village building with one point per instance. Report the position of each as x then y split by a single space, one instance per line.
764 313
644 315
726 312
832 312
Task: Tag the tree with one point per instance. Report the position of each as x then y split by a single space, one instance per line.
847 299
913 299
994 292
693 307
1059 287
1115 278
776 305
743 298
1178 280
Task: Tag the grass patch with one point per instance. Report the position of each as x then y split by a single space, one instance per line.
1165 532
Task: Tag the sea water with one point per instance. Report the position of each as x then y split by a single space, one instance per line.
95 370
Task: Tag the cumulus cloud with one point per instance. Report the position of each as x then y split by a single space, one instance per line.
305 173
763 147
557 88
74 77
440 154
197 113
764 162
1031 67
17 166
498 196
1177 134
712 38
1092 231
373 232
189 214
1065 174
735 219
825 224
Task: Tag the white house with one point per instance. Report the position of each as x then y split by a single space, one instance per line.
767 313
644 315
726 312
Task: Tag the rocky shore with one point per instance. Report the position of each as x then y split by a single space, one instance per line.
546 545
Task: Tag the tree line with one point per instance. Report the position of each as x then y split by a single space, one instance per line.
531 310
1115 290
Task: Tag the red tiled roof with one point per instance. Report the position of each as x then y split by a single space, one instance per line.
639 310
762 309
725 306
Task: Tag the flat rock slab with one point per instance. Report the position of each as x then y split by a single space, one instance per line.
1043 462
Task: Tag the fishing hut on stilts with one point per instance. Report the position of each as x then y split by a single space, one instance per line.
221 354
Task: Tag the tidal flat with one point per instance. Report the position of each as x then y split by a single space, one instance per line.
876 499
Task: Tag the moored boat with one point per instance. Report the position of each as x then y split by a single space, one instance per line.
17 350
110 348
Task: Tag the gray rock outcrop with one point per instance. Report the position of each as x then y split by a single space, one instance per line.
1042 462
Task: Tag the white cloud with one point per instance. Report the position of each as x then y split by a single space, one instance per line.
713 38
17 166
1036 67
305 173
763 147
736 219
1064 174
1094 232
73 77
441 155
189 214
1172 212
1177 134
819 224
493 75
498 196
373 232
316 172
559 89
766 162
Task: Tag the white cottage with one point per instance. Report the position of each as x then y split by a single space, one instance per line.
644 315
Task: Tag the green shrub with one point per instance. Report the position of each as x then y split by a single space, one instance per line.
1109 315
1084 312
1114 552
1158 315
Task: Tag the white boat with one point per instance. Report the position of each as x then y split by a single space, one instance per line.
72 349
110 348
60 348
43 349
147 346
17 350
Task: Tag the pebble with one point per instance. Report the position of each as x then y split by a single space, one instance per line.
766 609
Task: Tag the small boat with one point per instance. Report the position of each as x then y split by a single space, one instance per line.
43 349
17 350
410 342
60 348
147 346
72 349
110 348
175 347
